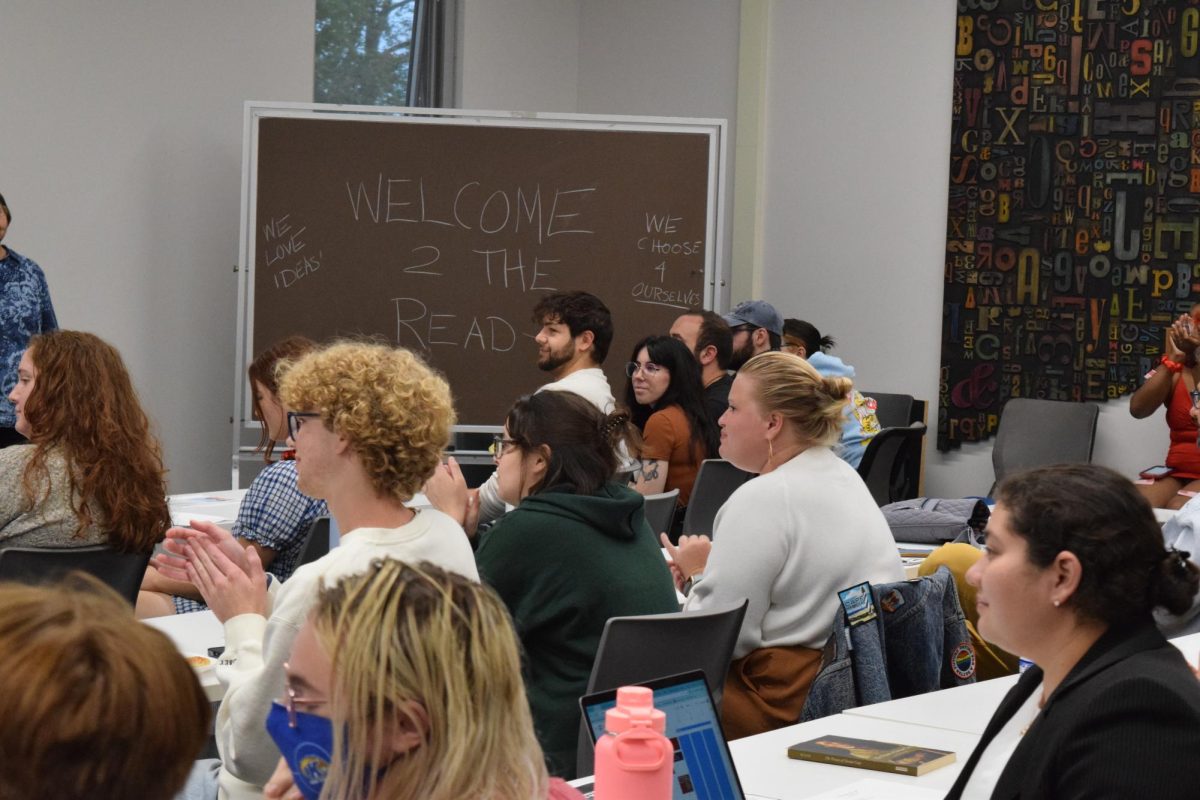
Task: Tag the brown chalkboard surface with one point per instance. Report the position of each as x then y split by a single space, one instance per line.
441 234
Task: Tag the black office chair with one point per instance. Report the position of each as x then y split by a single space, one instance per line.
638 649
37 565
715 481
660 511
891 464
316 541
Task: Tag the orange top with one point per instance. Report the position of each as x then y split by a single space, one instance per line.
668 437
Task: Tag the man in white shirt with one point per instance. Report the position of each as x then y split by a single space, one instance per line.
576 333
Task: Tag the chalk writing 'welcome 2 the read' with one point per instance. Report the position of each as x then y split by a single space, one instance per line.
535 213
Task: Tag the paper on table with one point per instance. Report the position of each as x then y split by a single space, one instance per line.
184 518
871 789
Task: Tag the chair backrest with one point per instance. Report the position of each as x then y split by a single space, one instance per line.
891 464
715 481
638 649
893 410
122 571
660 511
316 541
1036 433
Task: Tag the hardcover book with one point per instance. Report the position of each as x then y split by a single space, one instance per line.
845 751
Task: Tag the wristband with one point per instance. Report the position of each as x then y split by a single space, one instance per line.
1172 366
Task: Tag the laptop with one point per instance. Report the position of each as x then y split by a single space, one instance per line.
703 767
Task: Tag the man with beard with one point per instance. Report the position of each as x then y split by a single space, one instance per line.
707 336
572 344
757 328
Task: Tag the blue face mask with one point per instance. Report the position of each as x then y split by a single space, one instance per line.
306 747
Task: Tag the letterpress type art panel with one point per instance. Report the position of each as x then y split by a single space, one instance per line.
1073 232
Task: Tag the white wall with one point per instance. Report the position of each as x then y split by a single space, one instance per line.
519 55
857 144
122 160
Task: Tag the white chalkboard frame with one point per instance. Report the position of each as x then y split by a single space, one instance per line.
245 429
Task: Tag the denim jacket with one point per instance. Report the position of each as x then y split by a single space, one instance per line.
918 642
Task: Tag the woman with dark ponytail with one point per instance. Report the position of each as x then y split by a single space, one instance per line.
1074 566
576 550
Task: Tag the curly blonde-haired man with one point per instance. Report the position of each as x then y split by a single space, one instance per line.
368 422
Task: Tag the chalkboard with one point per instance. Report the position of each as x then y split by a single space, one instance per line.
441 232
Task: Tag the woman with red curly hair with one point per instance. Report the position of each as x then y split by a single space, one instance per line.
92 473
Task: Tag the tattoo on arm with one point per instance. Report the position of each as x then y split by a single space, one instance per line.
649 470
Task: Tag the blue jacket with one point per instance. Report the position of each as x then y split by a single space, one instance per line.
917 643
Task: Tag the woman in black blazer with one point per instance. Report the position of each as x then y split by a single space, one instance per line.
1074 565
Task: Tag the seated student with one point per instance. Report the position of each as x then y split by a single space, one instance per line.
575 551
665 399
414 674
803 339
92 473
1171 386
95 704
788 540
274 517
1074 566
707 335
369 425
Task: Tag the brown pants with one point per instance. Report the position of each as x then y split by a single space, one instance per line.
766 689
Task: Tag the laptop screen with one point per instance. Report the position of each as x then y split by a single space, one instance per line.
703 767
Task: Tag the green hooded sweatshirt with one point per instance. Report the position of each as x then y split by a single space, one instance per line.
564 564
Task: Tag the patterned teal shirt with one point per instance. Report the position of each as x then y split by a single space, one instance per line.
25 310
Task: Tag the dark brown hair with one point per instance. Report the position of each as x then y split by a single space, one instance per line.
84 405
579 311
264 370
582 440
1098 515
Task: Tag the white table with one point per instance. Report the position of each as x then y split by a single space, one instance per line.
220 507
193 634
765 769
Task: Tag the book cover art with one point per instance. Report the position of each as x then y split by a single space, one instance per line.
845 751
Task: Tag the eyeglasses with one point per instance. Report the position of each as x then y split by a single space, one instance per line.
290 699
500 446
649 369
295 420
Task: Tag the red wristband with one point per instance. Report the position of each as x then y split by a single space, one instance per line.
1172 366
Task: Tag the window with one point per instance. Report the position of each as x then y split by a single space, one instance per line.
363 51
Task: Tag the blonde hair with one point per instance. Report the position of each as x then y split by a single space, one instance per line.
94 703
395 410
402 633
789 385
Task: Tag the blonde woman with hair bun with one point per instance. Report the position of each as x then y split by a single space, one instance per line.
414 674
788 540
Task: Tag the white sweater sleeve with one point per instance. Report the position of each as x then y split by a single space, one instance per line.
750 547
255 679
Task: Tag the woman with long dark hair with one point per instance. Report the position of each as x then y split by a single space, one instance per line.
92 472
666 401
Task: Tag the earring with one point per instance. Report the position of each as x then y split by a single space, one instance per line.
770 452
1057 603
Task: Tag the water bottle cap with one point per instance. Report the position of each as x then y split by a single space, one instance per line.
634 709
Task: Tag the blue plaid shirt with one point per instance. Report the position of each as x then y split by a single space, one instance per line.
273 514
25 310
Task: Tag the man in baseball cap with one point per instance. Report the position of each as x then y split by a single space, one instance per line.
757 328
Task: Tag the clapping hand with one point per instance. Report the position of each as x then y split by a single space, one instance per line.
688 558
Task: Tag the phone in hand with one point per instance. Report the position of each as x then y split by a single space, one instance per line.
1154 473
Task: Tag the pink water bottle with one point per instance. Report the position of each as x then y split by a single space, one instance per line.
634 760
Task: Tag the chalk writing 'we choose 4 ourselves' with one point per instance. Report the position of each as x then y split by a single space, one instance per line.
473 207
